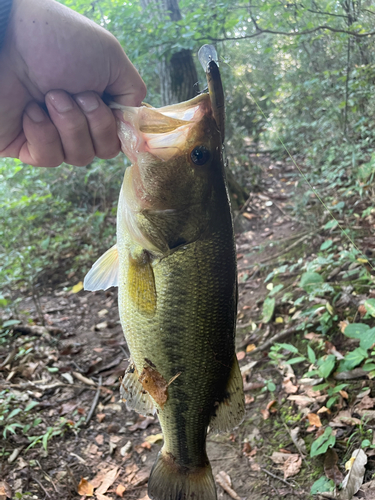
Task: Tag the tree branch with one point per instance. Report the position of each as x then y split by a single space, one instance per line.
261 31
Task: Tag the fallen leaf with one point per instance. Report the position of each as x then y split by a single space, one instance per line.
362 310
83 379
154 438
279 457
301 400
271 406
289 387
67 408
292 465
265 414
344 418
366 403
102 312
343 325
99 439
77 288
331 469
85 488
120 490
155 384
224 481
313 336
5 491
250 347
241 355
249 399
108 480
314 419
354 479
100 417
142 424
248 216
344 394
324 409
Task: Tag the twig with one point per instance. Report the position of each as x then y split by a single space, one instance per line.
9 358
285 250
279 336
95 402
243 208
41 486
276 477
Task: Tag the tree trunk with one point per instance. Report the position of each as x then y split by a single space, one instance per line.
178 76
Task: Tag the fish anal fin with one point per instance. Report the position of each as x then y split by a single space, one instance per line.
230 411
141 280
133 393
169 480
104 273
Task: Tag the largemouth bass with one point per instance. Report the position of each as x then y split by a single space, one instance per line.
175 266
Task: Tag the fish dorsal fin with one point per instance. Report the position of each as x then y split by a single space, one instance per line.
104 273
133 393
141 283
230 412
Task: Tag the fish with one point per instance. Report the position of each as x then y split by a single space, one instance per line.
175 267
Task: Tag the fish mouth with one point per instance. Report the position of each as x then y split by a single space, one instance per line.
161 132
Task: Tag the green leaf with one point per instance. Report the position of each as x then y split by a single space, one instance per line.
370 306
331 401
31 405
322 485
365 443
309 281
13 413
326 365
331 224
276 289
289 347
326 244
268 309
353 359
11 322
367 340
271 386
311 355
321 445
355 330
293 361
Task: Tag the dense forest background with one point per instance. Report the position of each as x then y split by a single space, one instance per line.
299 76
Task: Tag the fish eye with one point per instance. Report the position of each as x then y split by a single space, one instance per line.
200 155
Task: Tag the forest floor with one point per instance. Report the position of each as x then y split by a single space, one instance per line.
57 444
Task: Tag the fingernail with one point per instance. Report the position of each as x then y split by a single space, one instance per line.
35 113
88 102
60 101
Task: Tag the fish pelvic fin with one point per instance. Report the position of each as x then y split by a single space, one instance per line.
230 411
104 273
170 481
133 393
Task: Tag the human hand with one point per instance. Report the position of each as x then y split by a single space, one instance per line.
54 56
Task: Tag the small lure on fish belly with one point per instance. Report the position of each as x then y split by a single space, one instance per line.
175 267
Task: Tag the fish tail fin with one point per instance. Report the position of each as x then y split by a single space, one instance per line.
170 481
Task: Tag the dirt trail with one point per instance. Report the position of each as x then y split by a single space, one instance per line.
87 340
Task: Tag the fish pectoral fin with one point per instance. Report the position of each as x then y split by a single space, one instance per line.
133 393
104 273
141 283
230 411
